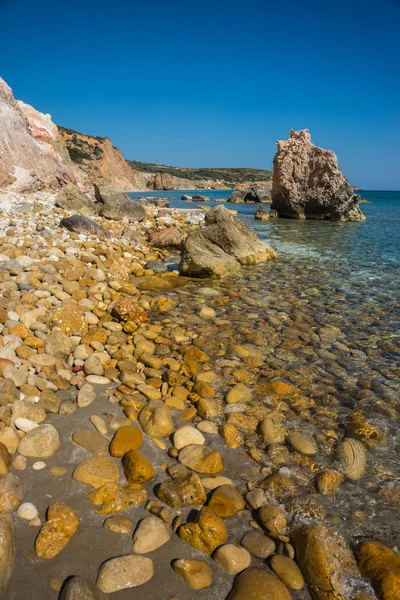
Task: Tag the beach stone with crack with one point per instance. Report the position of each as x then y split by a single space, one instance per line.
206 533
7 553
137 468
125 438
150 534
182 492
62 523
78 588
96 471
92 441
10 493
273 519
287 571
119 525
40 442
116 498
196 573
201 459
258 584
232 558
124 572
155 419
226 501
186 435
259 545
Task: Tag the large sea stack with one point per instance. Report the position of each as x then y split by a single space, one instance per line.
308 184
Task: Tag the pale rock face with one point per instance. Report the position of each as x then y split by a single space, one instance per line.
308 183
24 158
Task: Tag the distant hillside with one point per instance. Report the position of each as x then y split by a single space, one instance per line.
233 176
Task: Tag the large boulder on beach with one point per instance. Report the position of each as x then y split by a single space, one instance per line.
116 205
308 183
171 237
223 244
73 200
80 224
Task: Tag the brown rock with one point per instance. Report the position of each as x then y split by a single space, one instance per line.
381 566
196 573
68 318
226 501
182 492
125 438
7 553
308 183
257 584
10 493
201 459
155 419
168 238
137 468
92 441
206 533
116 498
127 308
5 460
96 471
62 523
326 561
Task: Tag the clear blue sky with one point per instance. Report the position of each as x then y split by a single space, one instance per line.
215 83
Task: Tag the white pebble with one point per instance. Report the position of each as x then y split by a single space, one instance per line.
97 379
25 425
38 465
27 511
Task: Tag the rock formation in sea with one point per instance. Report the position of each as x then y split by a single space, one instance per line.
163 181
32 156
308 183
220 247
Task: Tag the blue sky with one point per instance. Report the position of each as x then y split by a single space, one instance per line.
215 83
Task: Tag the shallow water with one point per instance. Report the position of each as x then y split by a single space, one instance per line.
340 275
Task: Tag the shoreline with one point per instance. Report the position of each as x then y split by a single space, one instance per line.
198 346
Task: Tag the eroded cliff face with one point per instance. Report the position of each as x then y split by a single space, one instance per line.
96 157
308 183
32 155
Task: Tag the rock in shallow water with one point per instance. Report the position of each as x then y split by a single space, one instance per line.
308 183
206 533
232 558
381 566
182 492
201 459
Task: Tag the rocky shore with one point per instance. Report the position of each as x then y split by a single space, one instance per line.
146 438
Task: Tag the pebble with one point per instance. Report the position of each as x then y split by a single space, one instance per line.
186 435
302 443
124 572
27 511
287 571
211 483
97 379
38 465
119 525
40 442
196 573
99 423
258 544
150 534
232 558
25 425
